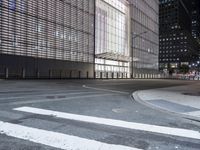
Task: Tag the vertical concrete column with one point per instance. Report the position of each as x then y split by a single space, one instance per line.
94 75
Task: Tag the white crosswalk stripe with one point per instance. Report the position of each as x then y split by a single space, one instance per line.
56 140
116 123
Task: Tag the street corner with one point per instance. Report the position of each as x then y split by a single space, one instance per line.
179 103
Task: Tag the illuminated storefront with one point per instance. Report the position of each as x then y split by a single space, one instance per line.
126 38
112 38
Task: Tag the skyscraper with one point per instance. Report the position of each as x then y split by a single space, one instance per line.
78 38
196 19
177 46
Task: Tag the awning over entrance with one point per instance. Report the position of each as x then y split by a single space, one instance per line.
116 57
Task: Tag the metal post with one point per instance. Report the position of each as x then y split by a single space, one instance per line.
87 74
79 74
6 73
50 73
37 74
23 73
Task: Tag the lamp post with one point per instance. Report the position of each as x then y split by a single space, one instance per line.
198 69
134 37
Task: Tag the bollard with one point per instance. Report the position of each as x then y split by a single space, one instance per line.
87 74
37 74
79 74
6 73
23 73
70 74
50 73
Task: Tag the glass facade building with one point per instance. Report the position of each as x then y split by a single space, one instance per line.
48 29
78 38
112 38
127 37
144 37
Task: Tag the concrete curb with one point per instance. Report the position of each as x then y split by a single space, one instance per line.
137 98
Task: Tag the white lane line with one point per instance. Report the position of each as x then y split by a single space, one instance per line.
57 100
45 95
117 123
193 113
107 90
55 139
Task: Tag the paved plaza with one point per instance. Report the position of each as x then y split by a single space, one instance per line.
90 115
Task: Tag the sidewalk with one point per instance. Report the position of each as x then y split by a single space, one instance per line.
182 100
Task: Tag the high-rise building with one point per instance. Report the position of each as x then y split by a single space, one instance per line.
78 38
47 38
196 19
144 36
177 46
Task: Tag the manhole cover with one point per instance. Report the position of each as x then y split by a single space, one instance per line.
192 94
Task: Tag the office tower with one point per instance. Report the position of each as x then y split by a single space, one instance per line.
177 46
196 19
78 38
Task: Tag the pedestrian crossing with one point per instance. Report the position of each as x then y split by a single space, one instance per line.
55 139
71 142
116 123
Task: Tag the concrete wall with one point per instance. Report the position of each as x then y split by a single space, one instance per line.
28 67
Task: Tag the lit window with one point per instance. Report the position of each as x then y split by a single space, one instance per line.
12 4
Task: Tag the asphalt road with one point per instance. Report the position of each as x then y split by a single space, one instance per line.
108 99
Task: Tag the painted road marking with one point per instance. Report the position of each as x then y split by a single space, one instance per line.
193 113
117 123
57 100
107 90
55 139
44 95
